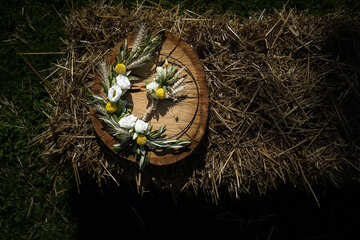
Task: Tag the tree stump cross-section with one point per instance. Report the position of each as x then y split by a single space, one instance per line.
184 119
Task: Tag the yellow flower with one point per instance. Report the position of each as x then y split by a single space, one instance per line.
120 68
160 93
141 140
111 107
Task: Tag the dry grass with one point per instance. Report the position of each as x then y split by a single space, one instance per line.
283 92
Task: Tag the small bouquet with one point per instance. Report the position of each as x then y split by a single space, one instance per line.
166 85
127 60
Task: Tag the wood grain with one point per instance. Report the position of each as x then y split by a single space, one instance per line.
185 119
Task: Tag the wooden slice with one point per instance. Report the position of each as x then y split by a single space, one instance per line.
184 119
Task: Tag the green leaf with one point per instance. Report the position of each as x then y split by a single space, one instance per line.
111 77
117 147
135 136
124 141
144 159
142 162
106 89
98 99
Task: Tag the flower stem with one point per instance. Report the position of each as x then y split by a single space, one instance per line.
150 109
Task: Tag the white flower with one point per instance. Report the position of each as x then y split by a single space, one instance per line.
114 93
123 82
152 86
141 126
160 71
127 121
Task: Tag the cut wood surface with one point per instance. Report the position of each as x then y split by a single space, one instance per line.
184 119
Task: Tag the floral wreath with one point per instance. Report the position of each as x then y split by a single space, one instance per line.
115 111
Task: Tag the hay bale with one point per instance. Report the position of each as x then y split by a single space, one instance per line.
283 94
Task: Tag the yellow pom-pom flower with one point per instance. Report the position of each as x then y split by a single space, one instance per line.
120 69
141 140
111 107
160 93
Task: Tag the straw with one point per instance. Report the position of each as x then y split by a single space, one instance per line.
283 98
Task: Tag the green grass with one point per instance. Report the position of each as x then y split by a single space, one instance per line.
29 208
34 201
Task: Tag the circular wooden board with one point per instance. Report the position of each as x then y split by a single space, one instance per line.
185 119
